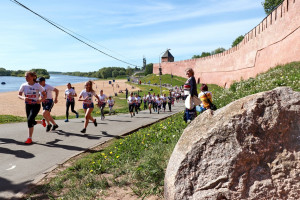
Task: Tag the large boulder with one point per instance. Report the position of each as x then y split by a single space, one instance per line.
249 149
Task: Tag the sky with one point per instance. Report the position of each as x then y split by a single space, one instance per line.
127 30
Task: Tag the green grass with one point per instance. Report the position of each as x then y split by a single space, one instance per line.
139 160
165 79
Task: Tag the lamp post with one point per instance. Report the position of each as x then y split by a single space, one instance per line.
160 70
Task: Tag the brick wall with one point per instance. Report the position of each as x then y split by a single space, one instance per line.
276 40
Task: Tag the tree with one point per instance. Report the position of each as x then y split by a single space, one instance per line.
203 54
218 50
115 73
270 5
237 40
149 69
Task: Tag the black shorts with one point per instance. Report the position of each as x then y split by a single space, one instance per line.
48 104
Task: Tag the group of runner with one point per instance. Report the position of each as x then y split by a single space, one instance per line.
35 88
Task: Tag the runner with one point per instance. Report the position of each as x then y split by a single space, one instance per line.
110 103
158 104
69 95
31 90
170 101
137 103
86 96
48 103
131 101
164 100
145 101
149 100
102 103
154 102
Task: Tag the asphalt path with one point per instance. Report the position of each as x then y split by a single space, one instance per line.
22 165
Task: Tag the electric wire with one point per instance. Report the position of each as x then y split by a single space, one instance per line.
80 40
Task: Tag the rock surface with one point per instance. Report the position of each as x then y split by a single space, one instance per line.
249 149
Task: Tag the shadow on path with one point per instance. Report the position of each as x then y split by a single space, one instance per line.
8 186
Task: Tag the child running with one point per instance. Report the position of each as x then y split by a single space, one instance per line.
111 104
102 103
145 101
137 103
149 100
158 104
48 104
86 96
131 101
69 95
31 90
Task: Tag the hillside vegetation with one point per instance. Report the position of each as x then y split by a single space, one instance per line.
137 162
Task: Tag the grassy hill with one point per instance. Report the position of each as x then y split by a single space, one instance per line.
138 162
166 78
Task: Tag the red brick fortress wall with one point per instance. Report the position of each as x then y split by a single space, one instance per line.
276 40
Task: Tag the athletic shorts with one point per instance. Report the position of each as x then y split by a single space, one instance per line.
86 106
48 104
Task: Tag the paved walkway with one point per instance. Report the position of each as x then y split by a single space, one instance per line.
21 165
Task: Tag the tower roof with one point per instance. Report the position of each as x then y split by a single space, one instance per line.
167 54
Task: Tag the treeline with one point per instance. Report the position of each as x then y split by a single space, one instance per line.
106 72
21 73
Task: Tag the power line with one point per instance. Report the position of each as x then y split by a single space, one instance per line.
63 29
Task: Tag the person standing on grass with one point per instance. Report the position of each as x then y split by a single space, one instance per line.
145 102
86 96
190 88
102 103
149 100
131 102
69 95
31 90
110 103
48 104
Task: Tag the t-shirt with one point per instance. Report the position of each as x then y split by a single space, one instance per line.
138 99
144 99
48 89
203 97
158 102
110 102
170 98
131 100
89 95
164 99
32 92
68 93
102 98
149 98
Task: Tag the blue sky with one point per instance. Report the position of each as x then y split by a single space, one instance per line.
128 30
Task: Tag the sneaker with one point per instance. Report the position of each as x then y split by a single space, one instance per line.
95 123
83 130
44 122
48 127
133 114
54 127
77 115
28 141
66 120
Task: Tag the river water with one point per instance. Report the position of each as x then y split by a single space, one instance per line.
14 83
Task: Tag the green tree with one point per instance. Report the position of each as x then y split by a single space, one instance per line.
237 40
149 69
196 56
218 50
115 73
270 5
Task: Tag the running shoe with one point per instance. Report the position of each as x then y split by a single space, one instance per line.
48 127
44 122
28 141
77 115
95 123
66 120
83 130
54 127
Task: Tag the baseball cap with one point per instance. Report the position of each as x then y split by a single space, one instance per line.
41 79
